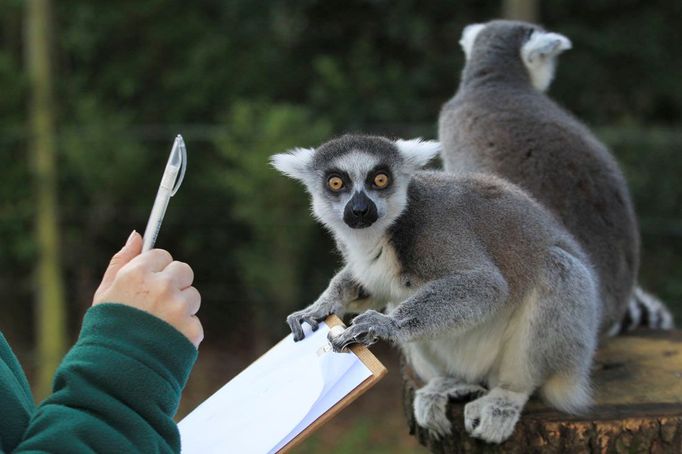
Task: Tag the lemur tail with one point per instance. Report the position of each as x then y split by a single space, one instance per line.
570 394
644 310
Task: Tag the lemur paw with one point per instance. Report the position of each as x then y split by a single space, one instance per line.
366 329
430 412
311 315
430 405
491 418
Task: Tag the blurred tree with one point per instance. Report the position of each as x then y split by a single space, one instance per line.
525 10
242 80
273 259
624 68
50 307
104 169
17 250
650 158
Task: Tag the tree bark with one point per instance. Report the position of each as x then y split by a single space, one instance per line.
49 305
638 407
525 10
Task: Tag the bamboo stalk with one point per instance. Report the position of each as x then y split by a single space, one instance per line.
49 303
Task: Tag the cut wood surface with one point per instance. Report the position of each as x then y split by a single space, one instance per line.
637 382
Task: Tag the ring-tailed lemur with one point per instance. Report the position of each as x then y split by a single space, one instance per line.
486 293
501 121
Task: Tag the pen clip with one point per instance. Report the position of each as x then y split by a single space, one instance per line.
178 153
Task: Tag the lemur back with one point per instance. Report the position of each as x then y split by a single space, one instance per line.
501 122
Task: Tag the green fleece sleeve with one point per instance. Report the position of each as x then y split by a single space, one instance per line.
16 400
117 389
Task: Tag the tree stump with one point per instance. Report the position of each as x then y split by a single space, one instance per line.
638 406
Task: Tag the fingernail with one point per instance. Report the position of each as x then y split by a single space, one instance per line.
130 238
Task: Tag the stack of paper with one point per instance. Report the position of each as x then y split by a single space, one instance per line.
273 400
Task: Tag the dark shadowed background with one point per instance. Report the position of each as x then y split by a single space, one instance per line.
244 79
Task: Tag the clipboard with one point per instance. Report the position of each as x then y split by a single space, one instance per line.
375 366
286 394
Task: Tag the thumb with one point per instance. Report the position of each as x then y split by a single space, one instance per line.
130 250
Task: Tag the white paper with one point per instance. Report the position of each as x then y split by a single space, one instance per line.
356 375
274 399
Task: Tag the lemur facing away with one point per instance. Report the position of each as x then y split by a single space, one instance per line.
500 121
485 292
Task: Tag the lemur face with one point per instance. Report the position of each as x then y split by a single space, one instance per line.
356 187
357 182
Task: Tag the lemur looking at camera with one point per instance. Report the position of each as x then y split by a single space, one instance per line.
486 293
500 121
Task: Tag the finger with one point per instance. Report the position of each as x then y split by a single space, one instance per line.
196 331
368 338
154 260
192 298
180 273
295 325
341 342
339 345
127 253
312 322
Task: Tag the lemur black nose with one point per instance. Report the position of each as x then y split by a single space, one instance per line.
360 208
360 211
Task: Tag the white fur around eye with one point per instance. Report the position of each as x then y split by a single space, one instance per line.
417 152
539 55
469 35
295 163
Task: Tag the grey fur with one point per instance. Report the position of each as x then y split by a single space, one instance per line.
500 122
430 401
341 289
481 284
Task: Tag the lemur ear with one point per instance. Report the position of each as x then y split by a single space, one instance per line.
543 45
417 152
295 163
469 34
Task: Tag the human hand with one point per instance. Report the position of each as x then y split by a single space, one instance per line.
155 283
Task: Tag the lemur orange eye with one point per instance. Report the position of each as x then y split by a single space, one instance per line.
335 183
381 180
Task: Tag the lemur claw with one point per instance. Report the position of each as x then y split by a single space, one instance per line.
366 329
309 316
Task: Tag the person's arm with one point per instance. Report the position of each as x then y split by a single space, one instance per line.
118 388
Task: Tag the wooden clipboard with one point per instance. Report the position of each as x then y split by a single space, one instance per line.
370 361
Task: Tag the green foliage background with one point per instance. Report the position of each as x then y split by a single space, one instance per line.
244 79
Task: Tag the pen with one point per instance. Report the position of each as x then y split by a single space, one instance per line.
170 183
